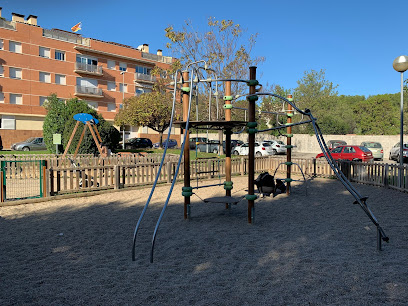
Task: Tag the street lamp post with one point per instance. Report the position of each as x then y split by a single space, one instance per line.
400 64
123 98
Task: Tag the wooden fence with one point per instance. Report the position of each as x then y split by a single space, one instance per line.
118 175
88 173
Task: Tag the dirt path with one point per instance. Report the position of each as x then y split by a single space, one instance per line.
314 249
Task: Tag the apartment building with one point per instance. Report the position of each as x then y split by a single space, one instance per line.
35 62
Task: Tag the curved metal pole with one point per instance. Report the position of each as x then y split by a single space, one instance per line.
175 174
158 172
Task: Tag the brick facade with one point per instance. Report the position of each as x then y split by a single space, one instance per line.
35 62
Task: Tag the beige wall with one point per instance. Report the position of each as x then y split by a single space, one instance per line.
308 143
29 123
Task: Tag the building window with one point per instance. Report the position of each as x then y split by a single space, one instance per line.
60 79
15 73
1 97
143 70
7 122
93 105
16 99
1 44
122 87
45 77
111 64
43 100
139 91
45 52
1 70
111 86
111 107
15 47
122 66
59 55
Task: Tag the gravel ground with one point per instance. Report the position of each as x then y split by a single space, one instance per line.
313 247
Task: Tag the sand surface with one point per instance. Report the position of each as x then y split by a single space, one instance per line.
316 249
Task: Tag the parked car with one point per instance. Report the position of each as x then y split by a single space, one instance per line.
261 149
137 143
31 144
172 144
211 146
195 140
350 152
395 152
335 143
234 143
278 147
375 148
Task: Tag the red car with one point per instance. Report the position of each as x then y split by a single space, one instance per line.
355 153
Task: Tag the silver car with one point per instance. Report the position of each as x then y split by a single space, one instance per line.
278 147
375 148
395 152
31 144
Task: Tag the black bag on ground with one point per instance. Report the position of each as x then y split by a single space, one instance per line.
265 183
280 186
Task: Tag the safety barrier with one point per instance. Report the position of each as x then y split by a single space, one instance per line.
95 174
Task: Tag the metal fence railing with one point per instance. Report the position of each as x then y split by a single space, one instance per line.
22 179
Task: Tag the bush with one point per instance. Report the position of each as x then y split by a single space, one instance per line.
60 120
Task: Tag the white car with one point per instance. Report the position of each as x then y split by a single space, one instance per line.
261 149
278 146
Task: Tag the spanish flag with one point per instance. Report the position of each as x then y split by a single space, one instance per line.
76 27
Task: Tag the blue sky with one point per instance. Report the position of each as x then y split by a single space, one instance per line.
354 41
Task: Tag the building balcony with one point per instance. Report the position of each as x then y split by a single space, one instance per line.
144 77
88 69
86 91
157 58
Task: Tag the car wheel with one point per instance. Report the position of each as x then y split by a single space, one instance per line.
258 154
215 151
26 149
235 152
274 152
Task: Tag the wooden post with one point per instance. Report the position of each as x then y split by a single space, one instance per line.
94 137
70 140
289 113
80 141
227 141
117 177
2 187
97 132
251 140
186 98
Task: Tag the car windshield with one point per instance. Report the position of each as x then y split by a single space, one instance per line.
364 149
266 144
280 142
374 145
31 139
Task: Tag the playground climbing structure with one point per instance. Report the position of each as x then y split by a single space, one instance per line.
186 82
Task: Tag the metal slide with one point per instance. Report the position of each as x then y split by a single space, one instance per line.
381 236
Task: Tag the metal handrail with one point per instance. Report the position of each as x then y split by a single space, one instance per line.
145 77
89 68
88 90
